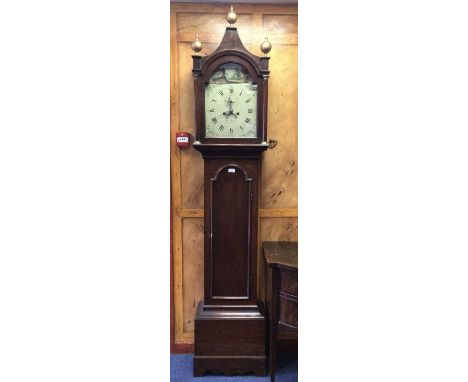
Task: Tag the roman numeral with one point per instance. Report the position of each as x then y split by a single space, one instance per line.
221 127
248 100
231 90
213 100
250 111
241 92
247 120
211 110
231 130
214 120
221 92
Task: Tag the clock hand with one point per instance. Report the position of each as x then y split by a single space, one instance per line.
231 113
230 102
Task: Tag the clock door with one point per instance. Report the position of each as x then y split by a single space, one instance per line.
231 214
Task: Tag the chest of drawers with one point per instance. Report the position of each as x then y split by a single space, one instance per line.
281 292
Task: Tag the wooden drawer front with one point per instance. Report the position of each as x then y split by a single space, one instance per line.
289 282
288 312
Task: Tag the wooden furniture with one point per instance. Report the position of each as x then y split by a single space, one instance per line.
230 112
281 291
278 213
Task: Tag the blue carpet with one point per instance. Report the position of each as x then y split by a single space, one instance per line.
182 369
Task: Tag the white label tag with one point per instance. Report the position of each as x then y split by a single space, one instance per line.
231 170
182 139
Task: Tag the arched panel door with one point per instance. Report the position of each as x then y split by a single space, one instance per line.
230 241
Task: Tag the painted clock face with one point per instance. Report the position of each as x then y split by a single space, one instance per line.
230 104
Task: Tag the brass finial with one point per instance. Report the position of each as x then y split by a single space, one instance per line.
266 46
196 45
231 16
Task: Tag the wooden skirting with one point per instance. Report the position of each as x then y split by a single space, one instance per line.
264 213
182 348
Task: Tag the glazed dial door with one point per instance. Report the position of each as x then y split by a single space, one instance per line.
230 104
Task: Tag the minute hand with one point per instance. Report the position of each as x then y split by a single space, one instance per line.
231 113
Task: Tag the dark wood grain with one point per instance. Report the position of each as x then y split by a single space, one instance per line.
273 320
231 214
230 324
287 310
289 283
281 292
230 321
230 233
229 341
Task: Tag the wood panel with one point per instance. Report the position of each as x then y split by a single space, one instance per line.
176 196
280 23
279 171
254 9
212 23
191 160
278 229
278 191
192 269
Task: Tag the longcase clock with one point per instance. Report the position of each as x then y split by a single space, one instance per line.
231 97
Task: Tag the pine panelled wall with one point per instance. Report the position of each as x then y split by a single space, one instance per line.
278 186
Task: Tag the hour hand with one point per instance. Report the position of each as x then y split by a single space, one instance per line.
230 113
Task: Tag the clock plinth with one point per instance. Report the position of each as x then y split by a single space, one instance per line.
231 98
229 341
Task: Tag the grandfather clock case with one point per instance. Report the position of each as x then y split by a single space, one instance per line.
231 97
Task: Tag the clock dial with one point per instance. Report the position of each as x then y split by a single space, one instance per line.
231 104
